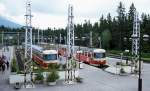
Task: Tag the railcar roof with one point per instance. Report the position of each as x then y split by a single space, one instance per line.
38 48
50 52
99 50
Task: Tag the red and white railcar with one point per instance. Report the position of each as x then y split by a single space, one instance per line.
96 57
44 57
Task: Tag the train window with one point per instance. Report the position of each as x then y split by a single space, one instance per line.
99 55
50 57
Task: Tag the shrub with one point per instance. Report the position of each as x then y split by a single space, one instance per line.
13 66
39 77
64 66
122 70
79 79
53 67
118 63
53 76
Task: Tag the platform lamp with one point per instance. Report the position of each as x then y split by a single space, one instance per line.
140 78
145 38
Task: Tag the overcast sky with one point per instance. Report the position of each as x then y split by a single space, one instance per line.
53 13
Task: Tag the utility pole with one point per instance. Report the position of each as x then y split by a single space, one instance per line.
42 36
100 42
91 42
70 73
2 38
38 37
60 38
34 38
59 42
51 39
18 39
28 83
65 40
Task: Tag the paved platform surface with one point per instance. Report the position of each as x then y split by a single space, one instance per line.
115 69
4 82
94 79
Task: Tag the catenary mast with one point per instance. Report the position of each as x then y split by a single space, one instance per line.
136 40
70 74
28 46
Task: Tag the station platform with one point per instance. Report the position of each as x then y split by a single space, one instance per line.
116 70
94 79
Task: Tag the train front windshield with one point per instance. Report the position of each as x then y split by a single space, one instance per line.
50 57
99 55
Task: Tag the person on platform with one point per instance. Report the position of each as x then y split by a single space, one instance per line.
3 67
7 63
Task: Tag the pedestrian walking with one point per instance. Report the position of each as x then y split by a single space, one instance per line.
3 67
0 67
3 57
7 63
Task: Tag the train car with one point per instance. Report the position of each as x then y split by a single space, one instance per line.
62 50
44 57
96 57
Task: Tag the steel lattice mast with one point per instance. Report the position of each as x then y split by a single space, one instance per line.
70 74
136 40
70 31
28 45
38 36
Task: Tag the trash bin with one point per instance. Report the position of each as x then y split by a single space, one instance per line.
17 85
81 65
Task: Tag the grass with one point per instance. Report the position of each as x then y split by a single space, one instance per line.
114 52
146 60
145 56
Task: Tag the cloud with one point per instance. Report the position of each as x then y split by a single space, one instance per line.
42 20
50 6
2 9
14 7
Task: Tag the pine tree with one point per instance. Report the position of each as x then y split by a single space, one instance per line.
130 19
121 24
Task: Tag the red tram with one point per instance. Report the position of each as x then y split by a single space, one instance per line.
96 57
44 57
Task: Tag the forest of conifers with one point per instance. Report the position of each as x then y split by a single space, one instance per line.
115 31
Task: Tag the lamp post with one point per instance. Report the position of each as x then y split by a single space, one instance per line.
145 38
136 47
140 78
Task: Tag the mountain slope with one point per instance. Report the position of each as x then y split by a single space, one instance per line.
7 23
